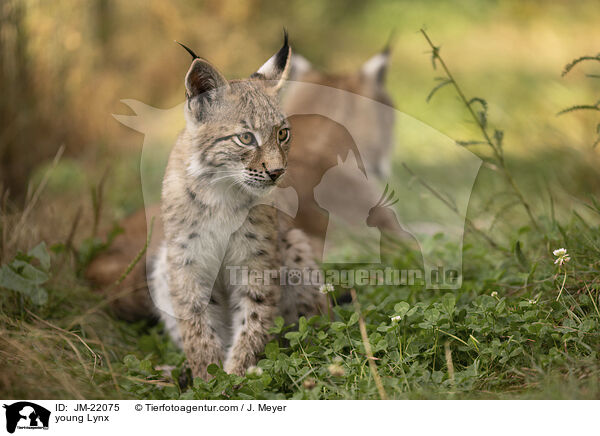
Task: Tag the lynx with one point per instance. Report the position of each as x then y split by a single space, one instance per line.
358 99
232 152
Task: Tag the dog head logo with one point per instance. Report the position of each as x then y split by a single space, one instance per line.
26 415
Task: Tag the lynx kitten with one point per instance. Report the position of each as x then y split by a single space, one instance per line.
232 152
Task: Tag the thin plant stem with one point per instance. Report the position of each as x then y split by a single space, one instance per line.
593 300
449 362
497 150
123 276
368 351
562 286
454 209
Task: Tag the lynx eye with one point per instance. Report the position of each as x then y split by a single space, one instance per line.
246 138
283 135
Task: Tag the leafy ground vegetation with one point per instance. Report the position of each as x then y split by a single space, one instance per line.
524 324
505 333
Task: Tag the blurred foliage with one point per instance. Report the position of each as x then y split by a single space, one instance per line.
64 65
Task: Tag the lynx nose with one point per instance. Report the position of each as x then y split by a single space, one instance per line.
276 173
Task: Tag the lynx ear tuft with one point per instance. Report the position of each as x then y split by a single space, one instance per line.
390 42
189 50
277 68
375 69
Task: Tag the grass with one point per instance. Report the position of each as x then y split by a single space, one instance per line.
504 334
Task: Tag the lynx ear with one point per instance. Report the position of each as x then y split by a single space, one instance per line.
202 78
203 85
277 68
375 69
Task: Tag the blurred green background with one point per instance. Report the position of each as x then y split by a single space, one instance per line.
65 66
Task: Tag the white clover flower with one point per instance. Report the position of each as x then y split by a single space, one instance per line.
494 294
560 252
309 383
336 370
254 370
326 288
561 256
396 318
532 301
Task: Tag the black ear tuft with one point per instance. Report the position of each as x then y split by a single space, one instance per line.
189 50
388 45
281 58
276 69
202 77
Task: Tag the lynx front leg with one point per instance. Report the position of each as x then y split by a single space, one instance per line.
200 344
197 322
254 310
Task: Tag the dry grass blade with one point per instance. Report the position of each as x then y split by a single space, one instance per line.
150 382
32 345
368 351
36 195
62 333
97 200
138 256
449 363
109 365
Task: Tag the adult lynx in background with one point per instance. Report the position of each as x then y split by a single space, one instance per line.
316 144
319 142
